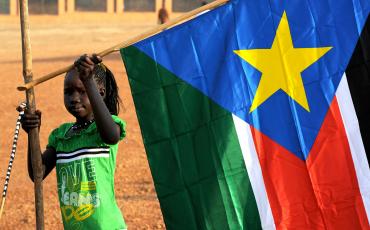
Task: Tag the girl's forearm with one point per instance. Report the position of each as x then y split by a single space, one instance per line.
29 163
48 162
107 128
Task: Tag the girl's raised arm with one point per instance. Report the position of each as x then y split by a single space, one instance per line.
109 131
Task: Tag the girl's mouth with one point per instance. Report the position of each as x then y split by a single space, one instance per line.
76 108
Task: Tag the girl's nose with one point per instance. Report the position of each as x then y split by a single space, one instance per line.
75 97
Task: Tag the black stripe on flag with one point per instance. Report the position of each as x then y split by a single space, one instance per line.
358 76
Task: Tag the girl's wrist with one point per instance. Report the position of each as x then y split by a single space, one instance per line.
87 81
90 85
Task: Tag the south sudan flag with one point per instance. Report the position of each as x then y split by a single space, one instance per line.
248 120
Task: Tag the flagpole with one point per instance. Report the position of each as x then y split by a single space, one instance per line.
33 135
181 19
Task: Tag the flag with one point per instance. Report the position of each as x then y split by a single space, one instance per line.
247 117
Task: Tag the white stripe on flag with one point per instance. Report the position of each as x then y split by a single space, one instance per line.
356 145
254 172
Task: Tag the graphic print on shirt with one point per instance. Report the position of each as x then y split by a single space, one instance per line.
77 183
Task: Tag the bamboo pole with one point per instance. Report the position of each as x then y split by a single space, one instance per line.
181 19
33 135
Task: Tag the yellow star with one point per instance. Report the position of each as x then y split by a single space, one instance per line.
281 66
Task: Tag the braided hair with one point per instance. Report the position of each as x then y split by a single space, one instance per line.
103 76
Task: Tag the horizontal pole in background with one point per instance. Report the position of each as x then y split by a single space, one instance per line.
181 19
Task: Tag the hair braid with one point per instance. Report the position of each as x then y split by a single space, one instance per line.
103 76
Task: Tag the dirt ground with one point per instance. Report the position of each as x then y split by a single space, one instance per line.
56 42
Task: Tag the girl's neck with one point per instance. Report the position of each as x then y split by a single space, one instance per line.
79 125
81 120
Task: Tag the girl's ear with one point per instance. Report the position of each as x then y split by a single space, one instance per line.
102 92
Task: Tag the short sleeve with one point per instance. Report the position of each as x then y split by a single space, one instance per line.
52 139
121 124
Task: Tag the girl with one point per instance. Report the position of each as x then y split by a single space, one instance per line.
84 152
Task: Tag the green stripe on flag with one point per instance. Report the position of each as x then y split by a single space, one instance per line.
193 151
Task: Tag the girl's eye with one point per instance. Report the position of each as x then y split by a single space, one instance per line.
67 91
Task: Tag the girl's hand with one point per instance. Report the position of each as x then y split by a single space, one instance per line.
85 65
30 121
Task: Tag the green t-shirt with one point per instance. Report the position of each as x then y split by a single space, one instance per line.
85 173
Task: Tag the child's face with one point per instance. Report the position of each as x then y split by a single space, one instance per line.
75 97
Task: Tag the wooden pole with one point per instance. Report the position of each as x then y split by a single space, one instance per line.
33 135
183 18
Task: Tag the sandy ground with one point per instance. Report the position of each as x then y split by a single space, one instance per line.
56 42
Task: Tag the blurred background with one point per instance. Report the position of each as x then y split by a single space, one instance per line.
119 6
60 31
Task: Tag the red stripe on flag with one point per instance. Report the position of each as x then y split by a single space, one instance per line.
324 194
333 176
288 186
